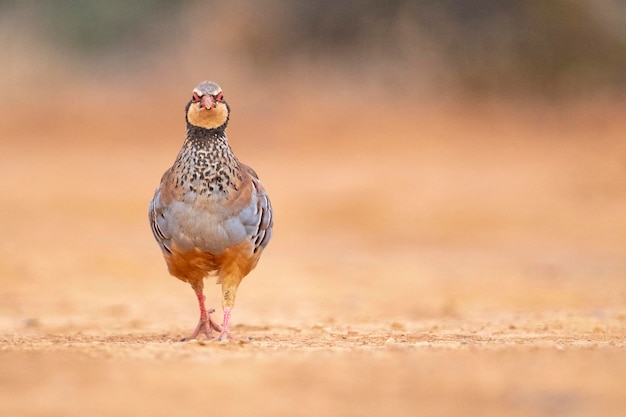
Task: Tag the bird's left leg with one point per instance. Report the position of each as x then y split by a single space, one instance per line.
229 292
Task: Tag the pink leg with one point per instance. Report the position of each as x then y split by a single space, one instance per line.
206 324
225 332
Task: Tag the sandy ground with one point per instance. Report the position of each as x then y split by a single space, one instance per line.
428 259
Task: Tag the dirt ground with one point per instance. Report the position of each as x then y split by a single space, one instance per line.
429 258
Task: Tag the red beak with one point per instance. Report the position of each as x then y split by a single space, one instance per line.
207 102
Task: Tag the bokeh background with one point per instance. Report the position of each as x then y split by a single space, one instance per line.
437 168
555 48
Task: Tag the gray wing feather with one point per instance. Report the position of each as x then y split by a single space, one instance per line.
162 239
263 233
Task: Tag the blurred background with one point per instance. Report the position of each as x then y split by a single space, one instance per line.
554 48
424 158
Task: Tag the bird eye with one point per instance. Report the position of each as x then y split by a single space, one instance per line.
220 97
195 98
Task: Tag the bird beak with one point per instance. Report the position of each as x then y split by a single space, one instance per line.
207 102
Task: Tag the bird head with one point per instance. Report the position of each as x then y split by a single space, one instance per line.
207 107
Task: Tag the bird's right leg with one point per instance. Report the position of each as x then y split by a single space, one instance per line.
206 324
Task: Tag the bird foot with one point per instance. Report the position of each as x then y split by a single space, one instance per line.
205 326
225 336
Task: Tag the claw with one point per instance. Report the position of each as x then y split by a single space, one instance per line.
205 326
225 337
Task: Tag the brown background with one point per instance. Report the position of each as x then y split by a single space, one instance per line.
436 251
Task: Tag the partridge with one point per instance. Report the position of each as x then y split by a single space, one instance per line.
210 214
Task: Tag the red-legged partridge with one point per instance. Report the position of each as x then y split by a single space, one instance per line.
210 214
